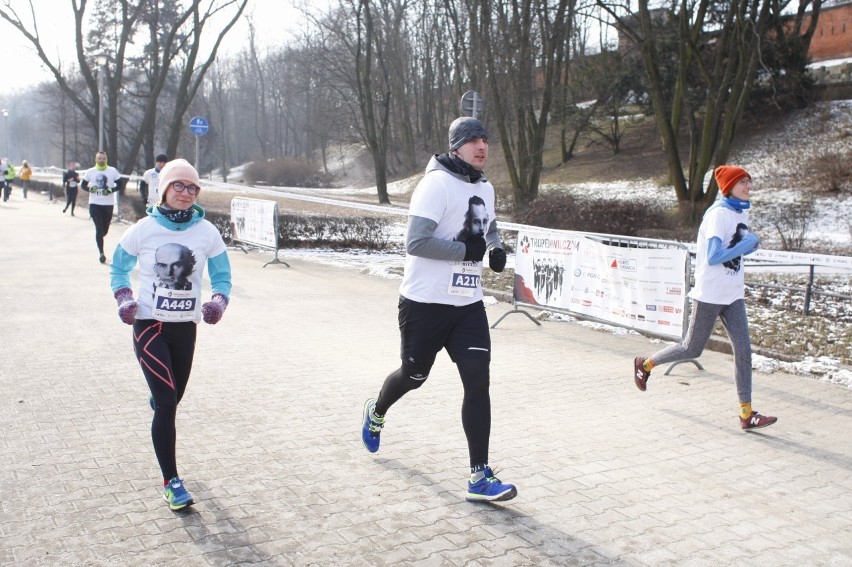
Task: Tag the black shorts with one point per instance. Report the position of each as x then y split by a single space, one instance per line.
426 328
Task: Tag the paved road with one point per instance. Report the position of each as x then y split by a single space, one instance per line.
268 436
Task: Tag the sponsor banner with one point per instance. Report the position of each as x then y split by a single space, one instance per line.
255 221
638 288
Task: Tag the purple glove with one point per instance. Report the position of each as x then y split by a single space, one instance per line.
127 307
212 310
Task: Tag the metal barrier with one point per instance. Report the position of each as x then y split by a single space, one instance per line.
255 222
808 289
637 283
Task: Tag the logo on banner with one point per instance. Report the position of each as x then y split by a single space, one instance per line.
622 264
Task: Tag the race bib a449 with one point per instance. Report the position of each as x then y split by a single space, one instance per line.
174 305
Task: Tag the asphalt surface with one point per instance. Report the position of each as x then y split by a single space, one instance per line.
269 445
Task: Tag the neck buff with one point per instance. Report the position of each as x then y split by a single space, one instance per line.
737 204
101 168
458 165
175 215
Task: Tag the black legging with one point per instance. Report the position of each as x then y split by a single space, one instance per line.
70 199
165 352
102 217
476 405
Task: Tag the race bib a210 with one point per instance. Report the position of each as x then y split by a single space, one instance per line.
465 279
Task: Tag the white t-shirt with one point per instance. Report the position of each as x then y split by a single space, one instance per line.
723 283
459 208
152 178
171 266
101 185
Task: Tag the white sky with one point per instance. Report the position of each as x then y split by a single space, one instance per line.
274 21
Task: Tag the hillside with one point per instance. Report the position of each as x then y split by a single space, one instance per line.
791 157
791 142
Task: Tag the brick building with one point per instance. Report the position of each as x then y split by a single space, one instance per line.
832 39
833 35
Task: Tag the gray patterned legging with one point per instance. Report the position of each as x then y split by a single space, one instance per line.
701 324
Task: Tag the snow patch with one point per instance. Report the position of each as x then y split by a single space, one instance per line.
822 368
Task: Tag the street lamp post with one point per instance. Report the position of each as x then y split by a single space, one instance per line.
102 60
6 131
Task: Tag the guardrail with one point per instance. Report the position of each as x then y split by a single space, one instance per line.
809 289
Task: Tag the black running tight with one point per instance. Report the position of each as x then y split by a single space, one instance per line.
70 198
476 405
165 351
102 217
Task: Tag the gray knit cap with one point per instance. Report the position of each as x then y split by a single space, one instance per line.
465 129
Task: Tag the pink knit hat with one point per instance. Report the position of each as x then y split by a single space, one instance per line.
177 170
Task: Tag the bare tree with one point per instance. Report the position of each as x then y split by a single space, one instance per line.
356 67
715 51
524 45
615 87
117 24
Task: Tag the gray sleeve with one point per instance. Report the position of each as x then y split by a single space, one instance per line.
420 242
492 237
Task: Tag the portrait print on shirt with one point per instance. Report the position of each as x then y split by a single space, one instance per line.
101 184
734 264
467 276
475 220
173 265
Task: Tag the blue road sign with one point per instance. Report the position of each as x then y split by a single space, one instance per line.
198 126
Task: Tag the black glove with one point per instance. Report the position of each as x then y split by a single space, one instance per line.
474 249
497 259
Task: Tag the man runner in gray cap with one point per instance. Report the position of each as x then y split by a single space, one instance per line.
451 224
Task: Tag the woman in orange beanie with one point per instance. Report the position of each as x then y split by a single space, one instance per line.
719 291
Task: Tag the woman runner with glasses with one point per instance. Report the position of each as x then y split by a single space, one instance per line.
172 245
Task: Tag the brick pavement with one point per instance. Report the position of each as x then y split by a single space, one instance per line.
268 435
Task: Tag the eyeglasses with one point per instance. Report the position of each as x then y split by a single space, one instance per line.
180 187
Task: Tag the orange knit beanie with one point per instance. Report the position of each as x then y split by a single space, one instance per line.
727 176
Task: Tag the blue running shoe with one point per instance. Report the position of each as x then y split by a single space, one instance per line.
176 495
490 489
371 427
